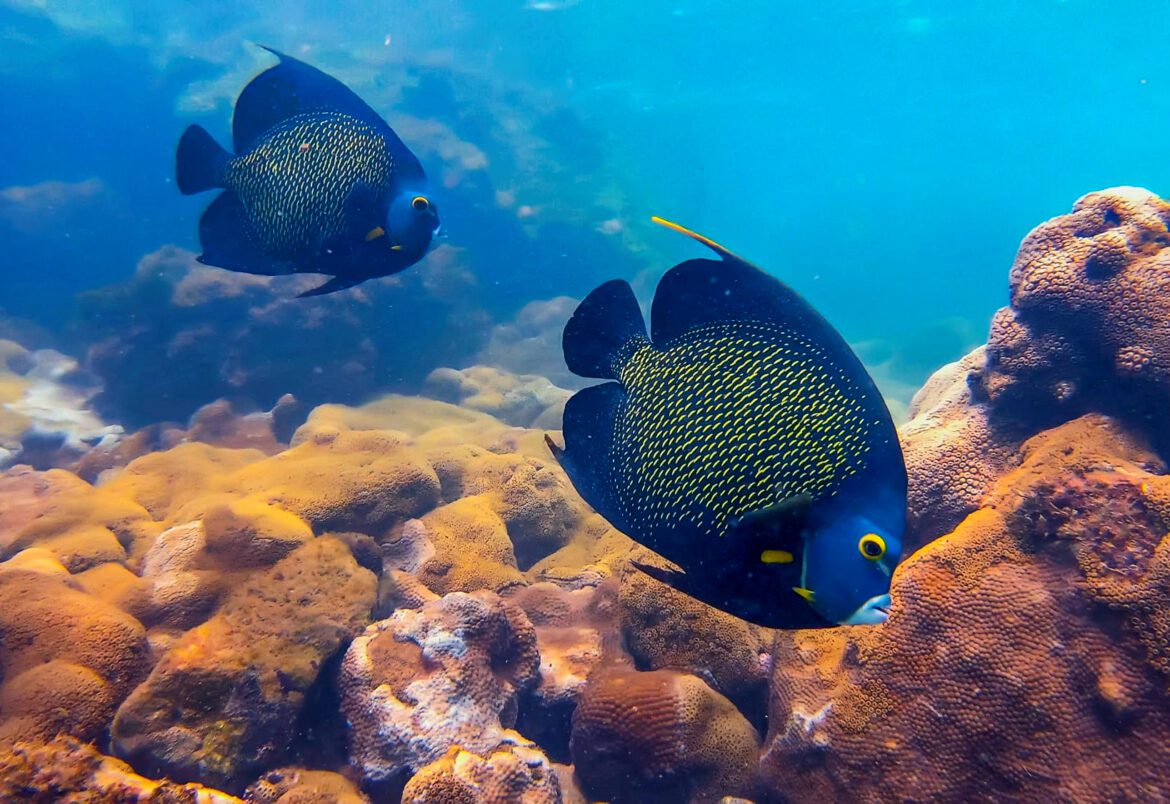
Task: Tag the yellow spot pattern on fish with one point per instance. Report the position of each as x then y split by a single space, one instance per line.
730 418
295 182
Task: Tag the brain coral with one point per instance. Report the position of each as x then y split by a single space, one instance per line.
425 679
660 736
1025 657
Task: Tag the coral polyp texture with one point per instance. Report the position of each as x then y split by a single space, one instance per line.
407 600
1025 655
1087 329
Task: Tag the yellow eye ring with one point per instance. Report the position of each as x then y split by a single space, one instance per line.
872 546
420 204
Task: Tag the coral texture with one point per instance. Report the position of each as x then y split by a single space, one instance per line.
525 400
1025 656
222 704
447 673
513 773
660 736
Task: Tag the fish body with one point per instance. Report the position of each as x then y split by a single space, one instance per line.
742 440
319 183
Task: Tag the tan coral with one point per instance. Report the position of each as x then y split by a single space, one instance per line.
301 786
524 400
222 703
514 773
1024 656
66 658
660 736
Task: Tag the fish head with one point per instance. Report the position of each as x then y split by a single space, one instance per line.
848 562
412 223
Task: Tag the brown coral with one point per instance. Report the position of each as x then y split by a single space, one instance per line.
660 736
64 769
1024 656
66 658
222 704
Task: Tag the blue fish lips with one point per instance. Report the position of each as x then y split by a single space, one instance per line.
874 611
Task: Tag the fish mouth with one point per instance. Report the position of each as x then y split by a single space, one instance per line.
872 612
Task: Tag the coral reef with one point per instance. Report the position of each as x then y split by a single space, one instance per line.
513 773
447 673
1086 330
661 736
1025 654
45 415
229 333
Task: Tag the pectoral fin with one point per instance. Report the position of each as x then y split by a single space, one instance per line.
672 578
771 535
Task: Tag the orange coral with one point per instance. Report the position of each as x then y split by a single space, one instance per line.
223 701
1024 655
660 736
66 658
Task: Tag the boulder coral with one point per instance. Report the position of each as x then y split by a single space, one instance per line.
511 774
448 673
67 658
1086 330
1025 655
660 736
525 400
222 704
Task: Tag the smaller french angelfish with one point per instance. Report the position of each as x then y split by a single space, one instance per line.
319 183
742 440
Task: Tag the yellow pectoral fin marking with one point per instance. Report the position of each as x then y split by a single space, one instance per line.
807 594
396 248
375 233
776 557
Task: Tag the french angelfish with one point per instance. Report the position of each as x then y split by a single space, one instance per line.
742 440
319 183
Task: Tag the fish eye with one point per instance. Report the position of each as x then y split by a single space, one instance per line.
872 546
420 204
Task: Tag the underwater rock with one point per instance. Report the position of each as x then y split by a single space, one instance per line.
660 736
523 400
67 659
221 705
511 774
64 769
445 674
1025 655
247 339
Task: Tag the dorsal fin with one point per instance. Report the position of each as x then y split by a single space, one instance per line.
604 330
293 87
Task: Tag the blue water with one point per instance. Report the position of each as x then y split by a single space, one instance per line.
885 158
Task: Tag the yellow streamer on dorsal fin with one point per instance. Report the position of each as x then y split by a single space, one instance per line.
706 241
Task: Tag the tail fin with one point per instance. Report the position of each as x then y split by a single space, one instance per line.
605 324
200 161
